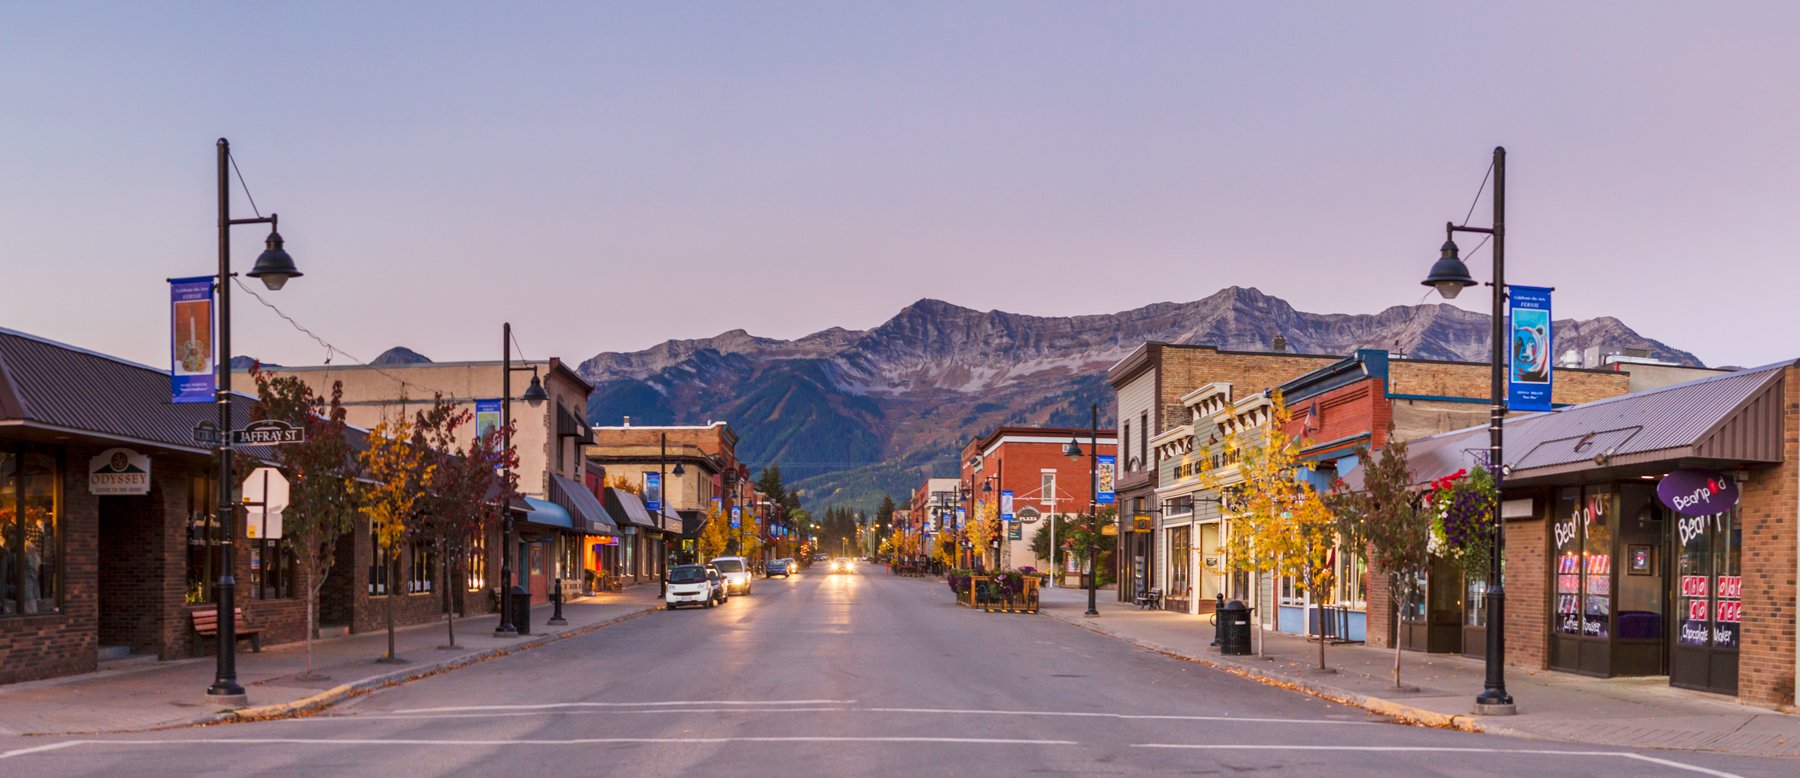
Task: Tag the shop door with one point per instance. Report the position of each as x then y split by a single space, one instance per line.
1703 652
1181 568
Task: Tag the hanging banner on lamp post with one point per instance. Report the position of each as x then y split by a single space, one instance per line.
1006 505
1530 360
653 492
192 371
487 416
1104 472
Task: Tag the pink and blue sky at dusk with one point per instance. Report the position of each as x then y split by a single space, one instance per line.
608 176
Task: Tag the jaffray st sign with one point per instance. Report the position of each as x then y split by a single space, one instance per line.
269 432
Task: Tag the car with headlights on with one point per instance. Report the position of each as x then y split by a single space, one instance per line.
843 564
691 585
736 570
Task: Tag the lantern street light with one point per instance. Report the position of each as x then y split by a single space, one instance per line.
273 267
1449 276
534 396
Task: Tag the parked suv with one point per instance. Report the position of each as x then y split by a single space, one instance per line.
736 570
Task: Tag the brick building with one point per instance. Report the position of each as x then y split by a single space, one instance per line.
1607 573
558 511
710 478
1337 404
1044 481
108 535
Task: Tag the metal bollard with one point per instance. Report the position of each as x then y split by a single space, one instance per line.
556 597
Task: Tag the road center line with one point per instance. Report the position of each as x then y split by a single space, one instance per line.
339 743
1447 750
665 703
549 709
1125 716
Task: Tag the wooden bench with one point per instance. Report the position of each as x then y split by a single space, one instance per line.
206 625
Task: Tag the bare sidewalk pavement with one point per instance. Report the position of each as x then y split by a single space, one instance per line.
152 695
1638 712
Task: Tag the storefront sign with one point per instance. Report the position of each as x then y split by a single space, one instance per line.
119 471
1697 492
192 378
1107 470
1530 371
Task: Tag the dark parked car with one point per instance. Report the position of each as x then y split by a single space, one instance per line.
783 568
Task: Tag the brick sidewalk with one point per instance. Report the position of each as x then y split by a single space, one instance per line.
1639 712
164 694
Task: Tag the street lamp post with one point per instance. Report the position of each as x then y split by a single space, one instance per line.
273 267
662 510
534 396
1073 451
1450 276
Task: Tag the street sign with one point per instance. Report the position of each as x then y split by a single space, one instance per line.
265 496
206 432
269 432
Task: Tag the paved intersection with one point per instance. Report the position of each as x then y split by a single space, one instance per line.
860 674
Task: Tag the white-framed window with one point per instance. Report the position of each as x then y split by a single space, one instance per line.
1047 491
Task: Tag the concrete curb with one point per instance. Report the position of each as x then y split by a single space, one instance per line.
1398 711
341 692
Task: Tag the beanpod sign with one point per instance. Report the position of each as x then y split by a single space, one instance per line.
1697 492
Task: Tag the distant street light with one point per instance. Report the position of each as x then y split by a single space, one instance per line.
533 396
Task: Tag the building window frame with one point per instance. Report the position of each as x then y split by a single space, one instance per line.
20 578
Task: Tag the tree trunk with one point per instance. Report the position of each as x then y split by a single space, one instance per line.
1256 626
1399 606
312 609
390 621
449 603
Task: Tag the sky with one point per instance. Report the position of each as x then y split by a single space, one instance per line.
607 176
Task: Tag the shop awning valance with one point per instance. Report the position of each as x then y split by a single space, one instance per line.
582 505
628 509
547 515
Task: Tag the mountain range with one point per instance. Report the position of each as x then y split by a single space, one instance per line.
854 414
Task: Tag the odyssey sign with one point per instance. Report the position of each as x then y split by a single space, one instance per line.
1697 492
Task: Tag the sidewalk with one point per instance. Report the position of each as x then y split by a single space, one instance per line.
1638 712
164 694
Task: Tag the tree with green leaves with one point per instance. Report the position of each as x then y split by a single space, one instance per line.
1388 519
322 505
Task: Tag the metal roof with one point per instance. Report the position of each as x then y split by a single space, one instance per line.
628 508
1731 418
52 385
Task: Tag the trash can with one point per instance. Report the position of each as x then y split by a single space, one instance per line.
1234 629
521 609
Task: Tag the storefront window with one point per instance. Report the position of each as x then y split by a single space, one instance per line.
384 567
1708 567
272 570
1475 607
1180 562
1584 547
1352 578
1414 608
205 542
477 564
422 564
30 534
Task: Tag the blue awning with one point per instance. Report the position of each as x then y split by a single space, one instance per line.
547 514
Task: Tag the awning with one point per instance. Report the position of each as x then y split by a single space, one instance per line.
628 510
1726 420
582 505
547 515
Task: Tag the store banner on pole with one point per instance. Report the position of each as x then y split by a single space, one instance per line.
487 416
737 517
1107 471
653 491
1531 362
193 375
1006 505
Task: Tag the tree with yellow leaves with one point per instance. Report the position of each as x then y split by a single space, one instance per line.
984 528
1275 522
397 470
714 535
625 484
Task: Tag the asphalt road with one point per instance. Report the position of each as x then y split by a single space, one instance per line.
833 675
